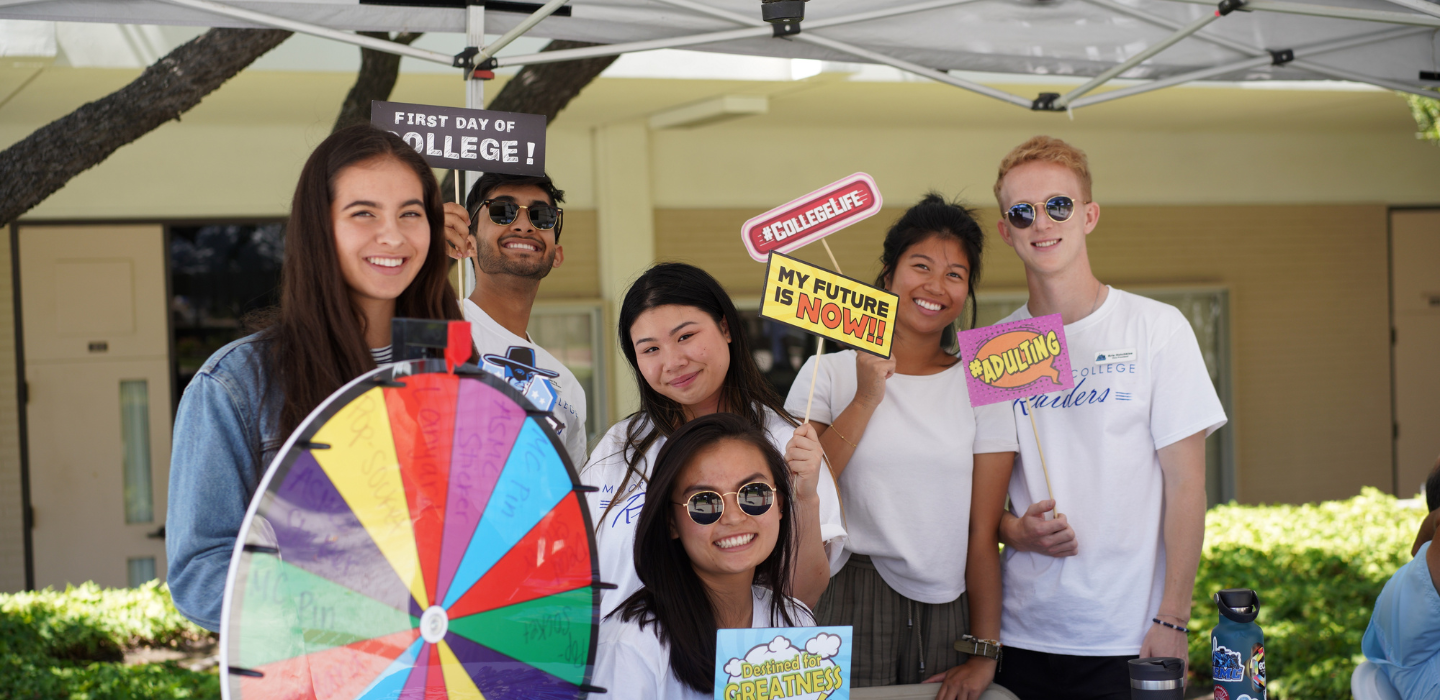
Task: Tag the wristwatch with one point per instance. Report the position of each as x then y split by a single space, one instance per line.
988 648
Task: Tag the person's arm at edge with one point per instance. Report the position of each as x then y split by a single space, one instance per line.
1432 557
870 375
1183 465
982 574
812 565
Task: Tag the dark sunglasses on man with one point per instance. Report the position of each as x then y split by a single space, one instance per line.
1059 208
542 216
706 507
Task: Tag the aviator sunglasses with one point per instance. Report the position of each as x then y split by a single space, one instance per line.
1059 208
542 216
706 507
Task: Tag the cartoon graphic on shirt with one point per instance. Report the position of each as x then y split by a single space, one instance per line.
517 366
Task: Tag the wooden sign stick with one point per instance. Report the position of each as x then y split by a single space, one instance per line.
819 342
1043 469
462 263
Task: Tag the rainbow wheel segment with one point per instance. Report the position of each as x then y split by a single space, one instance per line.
420 536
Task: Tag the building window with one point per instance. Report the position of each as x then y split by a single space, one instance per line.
218 274
140 570
572 333
135 448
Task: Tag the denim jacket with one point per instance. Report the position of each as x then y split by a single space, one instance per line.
226 434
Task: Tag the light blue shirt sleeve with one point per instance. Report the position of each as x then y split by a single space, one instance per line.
213 470
1403 638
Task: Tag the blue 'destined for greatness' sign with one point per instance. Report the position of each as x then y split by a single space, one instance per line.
807 663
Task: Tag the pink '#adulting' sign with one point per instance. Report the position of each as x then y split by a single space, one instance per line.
1016 360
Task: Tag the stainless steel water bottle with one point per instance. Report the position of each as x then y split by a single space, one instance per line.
1157 678
1237 647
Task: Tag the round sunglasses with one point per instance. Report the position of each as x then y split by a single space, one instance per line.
542 216
706 507
1059 208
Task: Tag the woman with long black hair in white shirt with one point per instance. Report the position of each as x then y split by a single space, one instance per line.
715 548
922 473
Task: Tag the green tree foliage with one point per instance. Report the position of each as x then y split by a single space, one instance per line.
1426 111
1318 569
70 645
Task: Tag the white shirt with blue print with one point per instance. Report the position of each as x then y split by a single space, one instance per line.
534 372
1140 385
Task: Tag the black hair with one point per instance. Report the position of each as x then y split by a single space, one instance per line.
1432 488
674 598
934 216
744 390
487 183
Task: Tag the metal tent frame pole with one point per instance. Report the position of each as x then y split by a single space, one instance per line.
1244 49
1337 45
758 28
807 36
1313 10
1428 8
1185 31
315 30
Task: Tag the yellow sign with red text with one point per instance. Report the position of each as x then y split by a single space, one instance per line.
830 305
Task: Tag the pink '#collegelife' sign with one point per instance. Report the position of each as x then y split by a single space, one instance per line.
811 217
1016 360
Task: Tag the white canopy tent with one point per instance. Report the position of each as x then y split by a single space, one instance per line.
1393 44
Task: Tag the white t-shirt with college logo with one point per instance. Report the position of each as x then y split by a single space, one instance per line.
1140 385
615 532
908 484
535 373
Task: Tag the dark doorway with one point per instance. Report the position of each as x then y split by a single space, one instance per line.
218 274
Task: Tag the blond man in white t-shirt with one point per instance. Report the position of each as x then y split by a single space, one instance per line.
1112 578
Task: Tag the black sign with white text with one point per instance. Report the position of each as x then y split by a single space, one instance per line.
467 139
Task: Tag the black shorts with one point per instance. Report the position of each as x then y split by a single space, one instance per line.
1037 675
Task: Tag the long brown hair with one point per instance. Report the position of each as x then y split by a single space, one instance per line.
744 390
673 597
317 341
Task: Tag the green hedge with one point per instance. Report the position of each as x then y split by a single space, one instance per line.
1318 569
70 645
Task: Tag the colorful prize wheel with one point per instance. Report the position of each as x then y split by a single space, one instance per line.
421 535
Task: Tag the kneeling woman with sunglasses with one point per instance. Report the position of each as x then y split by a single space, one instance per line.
923 473
687 345
714 549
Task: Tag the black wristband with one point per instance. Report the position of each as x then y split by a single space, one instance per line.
1177 628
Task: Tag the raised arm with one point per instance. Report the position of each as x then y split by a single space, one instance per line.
812 565
841 437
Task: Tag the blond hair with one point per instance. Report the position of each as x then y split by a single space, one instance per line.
1046 149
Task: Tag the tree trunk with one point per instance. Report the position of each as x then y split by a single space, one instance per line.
375 81
544 88
41 163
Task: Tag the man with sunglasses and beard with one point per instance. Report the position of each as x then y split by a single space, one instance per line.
1112 578
511 225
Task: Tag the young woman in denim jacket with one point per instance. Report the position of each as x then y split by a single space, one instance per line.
365 243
